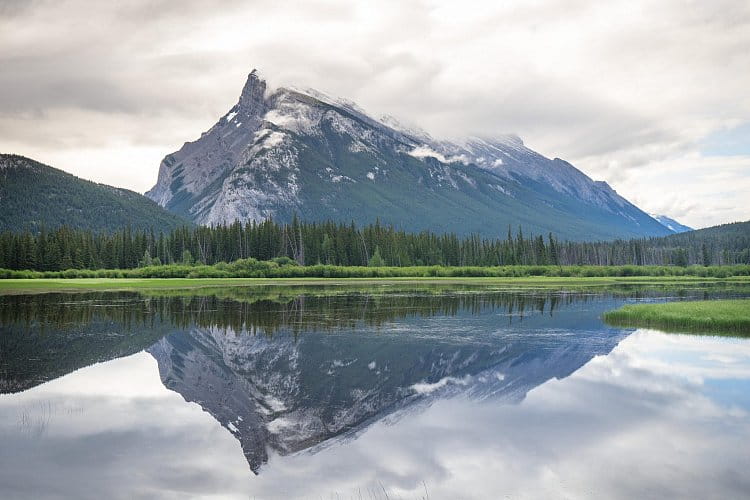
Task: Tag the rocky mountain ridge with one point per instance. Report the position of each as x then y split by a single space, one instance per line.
283 151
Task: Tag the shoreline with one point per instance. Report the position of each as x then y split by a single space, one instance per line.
47 285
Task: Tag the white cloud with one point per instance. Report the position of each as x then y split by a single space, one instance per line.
696 190
617 88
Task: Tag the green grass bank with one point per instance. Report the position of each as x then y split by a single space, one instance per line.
16 286
723 317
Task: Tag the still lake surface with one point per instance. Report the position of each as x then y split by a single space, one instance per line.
408 392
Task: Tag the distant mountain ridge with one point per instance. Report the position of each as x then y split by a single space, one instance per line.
671 224
34 195
283 151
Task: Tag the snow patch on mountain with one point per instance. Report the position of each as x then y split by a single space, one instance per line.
671 224
265 139
294 116
412 131
336 102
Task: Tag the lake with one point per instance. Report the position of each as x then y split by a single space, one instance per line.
398 391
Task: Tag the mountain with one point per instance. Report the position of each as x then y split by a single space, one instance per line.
33 195
283 151
671 224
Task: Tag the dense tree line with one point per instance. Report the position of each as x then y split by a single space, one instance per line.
340 244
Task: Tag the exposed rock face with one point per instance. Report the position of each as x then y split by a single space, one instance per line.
188 173
283 151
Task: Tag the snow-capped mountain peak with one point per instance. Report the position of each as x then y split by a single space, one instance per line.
285 150
253 93
671 224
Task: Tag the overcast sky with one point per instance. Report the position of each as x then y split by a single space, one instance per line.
653 97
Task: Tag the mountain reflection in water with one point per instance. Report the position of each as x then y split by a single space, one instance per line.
286 371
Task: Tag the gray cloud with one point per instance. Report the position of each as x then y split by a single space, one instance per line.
616 88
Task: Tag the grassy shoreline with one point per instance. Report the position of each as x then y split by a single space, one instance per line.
41 285
722 317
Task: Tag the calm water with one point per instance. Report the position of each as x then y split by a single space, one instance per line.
393 392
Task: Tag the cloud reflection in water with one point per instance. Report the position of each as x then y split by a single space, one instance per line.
659 416
649 420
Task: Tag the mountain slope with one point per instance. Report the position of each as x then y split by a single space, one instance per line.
33 195
285 151
671 224
732 237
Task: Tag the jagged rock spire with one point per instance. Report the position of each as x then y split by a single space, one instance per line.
253 91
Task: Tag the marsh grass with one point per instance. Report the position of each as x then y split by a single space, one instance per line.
286 268
721 317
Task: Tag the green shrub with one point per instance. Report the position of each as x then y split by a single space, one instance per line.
287 268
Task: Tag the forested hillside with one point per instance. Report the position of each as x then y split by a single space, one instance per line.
35 196
733 236
347 245
724 244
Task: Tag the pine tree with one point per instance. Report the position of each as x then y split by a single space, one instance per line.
146 261
376 260
187 257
